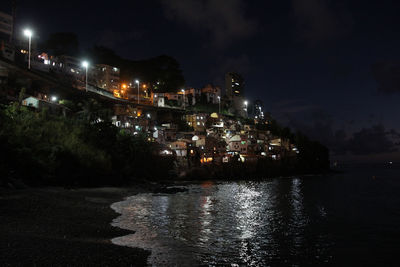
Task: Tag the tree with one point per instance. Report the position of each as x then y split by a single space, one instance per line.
104 55
62 43
164 71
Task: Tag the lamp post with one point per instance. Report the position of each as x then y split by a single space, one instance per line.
28 33
245 103
145 89
183 91
85 64
138 87
219 104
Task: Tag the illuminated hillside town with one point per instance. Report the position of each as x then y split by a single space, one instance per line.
199 133
205 125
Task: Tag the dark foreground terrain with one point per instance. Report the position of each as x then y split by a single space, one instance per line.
59 227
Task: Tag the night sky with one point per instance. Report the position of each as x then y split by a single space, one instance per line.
329 68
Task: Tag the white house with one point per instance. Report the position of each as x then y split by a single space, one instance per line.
236 144
180 147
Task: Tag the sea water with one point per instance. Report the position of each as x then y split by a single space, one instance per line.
351 218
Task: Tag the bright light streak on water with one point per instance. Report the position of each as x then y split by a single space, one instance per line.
286 221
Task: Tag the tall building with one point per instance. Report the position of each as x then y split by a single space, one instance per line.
258 111
234 88
107 77
6 26
234 84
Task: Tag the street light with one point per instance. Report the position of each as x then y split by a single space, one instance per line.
219 104
183 91
28 33
138 87
145 89
245 103
85 64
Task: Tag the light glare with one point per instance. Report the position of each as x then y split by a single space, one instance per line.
28 33
85 64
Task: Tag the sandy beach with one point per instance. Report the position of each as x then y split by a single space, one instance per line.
63 227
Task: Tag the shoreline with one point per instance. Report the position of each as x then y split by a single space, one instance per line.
64 227
55 226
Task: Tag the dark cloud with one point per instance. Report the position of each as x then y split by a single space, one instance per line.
352 122
112 39
290 106
240 64
320 127
319 21
374 140
368 141
224 20
394 134
387 75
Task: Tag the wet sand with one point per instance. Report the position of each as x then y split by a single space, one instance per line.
60 227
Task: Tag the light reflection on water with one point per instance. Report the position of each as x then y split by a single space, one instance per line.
231 223
349 219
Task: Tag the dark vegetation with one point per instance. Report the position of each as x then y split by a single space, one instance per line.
163 71
79 150
43 148
313 156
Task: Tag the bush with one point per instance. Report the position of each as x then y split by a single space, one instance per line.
40 148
